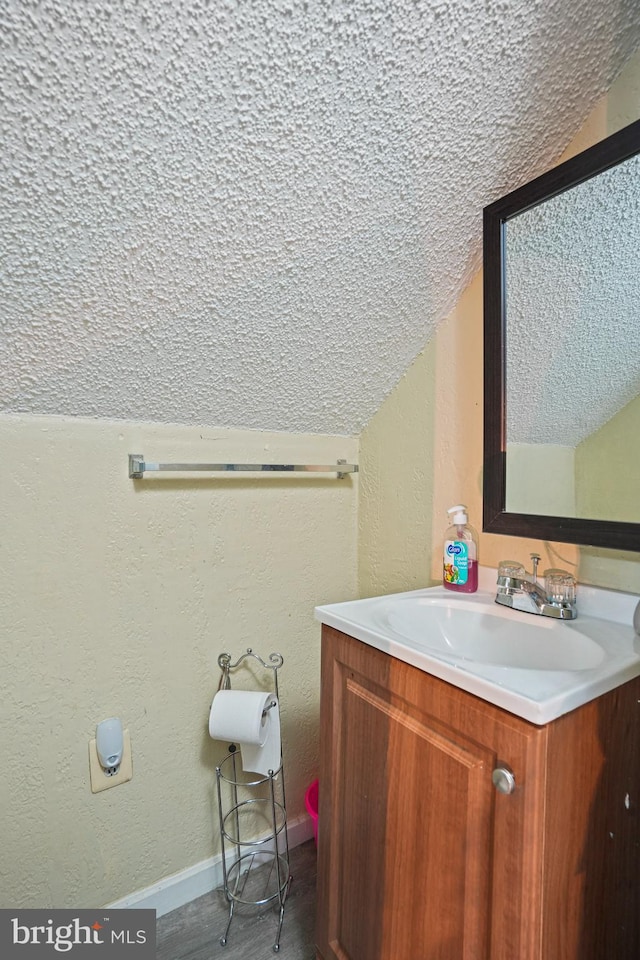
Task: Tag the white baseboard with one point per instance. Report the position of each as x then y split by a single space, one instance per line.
174 891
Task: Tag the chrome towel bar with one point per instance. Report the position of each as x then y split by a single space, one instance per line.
138 466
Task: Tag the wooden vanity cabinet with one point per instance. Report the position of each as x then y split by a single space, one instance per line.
420 857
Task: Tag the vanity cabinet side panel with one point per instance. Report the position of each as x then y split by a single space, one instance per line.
592 861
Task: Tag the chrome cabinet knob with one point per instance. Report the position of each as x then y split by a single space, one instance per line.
503 780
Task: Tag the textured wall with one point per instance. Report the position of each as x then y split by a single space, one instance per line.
541 478
610 452
397 485
253 214
117 598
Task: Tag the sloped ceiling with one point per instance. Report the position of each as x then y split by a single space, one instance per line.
573 289
254 213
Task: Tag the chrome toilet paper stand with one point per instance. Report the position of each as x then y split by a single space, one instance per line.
255 872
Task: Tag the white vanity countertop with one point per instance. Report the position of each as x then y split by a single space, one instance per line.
434 630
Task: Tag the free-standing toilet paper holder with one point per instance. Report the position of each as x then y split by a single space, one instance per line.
255 872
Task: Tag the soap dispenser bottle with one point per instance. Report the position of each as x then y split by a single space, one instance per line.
460 554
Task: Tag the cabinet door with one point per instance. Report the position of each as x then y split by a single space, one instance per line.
410 823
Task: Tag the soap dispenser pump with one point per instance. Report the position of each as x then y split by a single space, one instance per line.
460 553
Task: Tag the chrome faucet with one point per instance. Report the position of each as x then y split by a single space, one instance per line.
522 591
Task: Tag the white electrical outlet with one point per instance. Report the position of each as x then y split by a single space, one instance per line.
100 779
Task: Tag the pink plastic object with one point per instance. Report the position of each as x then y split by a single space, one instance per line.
311 803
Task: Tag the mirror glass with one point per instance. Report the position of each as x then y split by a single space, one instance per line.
562 337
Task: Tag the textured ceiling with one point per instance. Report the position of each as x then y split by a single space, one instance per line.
573 289
254 214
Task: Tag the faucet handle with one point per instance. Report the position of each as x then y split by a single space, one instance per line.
560 586
511 568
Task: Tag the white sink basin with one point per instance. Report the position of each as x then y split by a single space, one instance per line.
536 667
487 633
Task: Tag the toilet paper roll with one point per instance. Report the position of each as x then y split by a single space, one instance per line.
242 717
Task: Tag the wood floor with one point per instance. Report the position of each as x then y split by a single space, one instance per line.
193 932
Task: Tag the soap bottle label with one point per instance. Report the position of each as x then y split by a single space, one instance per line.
456 562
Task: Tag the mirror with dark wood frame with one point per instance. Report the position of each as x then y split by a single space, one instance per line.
562 352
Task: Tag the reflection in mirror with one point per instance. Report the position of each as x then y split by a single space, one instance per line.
573 351
562 351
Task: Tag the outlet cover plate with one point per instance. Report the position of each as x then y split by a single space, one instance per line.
99 779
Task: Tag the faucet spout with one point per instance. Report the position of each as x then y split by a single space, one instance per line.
533 589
